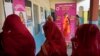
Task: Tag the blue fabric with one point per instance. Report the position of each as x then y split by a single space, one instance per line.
39 39
81 20
99 21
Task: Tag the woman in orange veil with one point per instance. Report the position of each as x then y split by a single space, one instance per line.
66 27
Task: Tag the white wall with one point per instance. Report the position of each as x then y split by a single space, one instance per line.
41 3
39 38
2 17
85 4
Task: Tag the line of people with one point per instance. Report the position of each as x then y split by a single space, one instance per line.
16 40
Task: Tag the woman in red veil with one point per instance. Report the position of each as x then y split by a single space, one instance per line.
55 43
85 42
17 40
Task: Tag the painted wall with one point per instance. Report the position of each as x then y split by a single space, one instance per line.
53 2
2 17
40 38
45 4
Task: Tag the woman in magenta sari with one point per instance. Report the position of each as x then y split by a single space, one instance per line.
17 40
85 41
55 43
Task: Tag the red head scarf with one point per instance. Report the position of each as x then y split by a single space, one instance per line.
56 45
86 37
17 40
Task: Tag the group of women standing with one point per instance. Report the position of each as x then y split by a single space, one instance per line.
16 40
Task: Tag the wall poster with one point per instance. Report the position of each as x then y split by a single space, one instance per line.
65 19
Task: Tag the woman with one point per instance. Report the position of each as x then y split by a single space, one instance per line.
55 43
17 40
66 25
66 28
85 41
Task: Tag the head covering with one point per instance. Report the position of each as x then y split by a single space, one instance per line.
49 18
55 42
87 33
86 40
17 40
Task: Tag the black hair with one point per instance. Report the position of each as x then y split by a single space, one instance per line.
77 16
